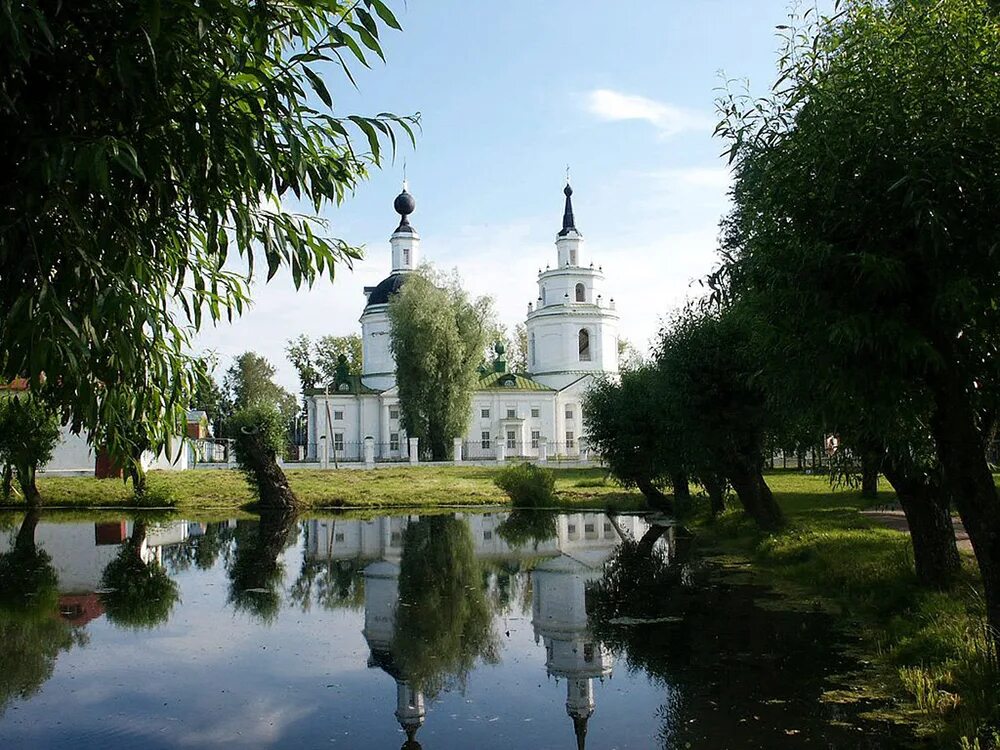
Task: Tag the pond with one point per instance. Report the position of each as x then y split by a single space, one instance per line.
485 630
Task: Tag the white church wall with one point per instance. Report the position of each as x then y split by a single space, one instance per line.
378 366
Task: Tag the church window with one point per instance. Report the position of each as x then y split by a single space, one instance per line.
572 257
338 441
535 412
394 441
395 538
338 537
531 350
393 412
543 295
487 535
338 415
406 256
512 414
570 439
511 439
485 440
535 436
584 345
569 411
588 652
484 413
581 293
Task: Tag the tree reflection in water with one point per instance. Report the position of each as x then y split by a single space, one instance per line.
200 551
140 594
444 622
523 527
735 673
255 570
32 634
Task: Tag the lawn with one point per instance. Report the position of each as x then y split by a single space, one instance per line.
396 487
928 649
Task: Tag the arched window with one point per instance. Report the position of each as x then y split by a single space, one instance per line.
543 295
531 350
584 345
581 293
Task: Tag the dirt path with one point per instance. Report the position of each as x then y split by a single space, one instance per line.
895 519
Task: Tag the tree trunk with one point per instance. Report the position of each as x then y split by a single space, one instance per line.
963 457
645 546
6 483
654 498
26 478
869 477
271 483
682 490
715 486
25 541
754 494
925 503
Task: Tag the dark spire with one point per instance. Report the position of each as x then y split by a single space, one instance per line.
404 205
568 225
580 729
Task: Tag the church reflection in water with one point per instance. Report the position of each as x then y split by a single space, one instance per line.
563 566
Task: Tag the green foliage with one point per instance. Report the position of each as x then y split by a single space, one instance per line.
29 433
148 152
319 363
628 425
249 383
528 485
438 336
139 595
256 570
444 623
32 635
258 425
527 526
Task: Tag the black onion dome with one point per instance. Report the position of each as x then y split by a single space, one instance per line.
404 206
386 288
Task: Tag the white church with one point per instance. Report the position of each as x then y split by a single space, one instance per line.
572 331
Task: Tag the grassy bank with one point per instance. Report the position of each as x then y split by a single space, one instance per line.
928 649
403 487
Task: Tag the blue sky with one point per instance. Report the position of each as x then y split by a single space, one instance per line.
509 94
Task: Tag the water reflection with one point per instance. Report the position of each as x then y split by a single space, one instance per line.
138 592
446 605
255 572
32 634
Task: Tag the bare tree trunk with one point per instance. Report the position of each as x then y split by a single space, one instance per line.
925 502
869 476
654 497
715 486
754 494
25 540
26 478
963 457
271 483
6 483
682 490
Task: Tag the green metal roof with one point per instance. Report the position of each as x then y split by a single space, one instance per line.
509 381
354 387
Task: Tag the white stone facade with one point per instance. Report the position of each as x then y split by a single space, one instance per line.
572 330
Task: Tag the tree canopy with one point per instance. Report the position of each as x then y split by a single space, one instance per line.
863 232
438 336
149 153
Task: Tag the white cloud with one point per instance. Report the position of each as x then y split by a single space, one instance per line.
607 104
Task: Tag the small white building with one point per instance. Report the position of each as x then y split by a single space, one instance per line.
572 331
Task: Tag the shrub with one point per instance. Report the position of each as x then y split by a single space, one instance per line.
29 433
527 485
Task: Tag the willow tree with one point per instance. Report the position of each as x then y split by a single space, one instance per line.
707 362
149 152
865 197
438 336
139 594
